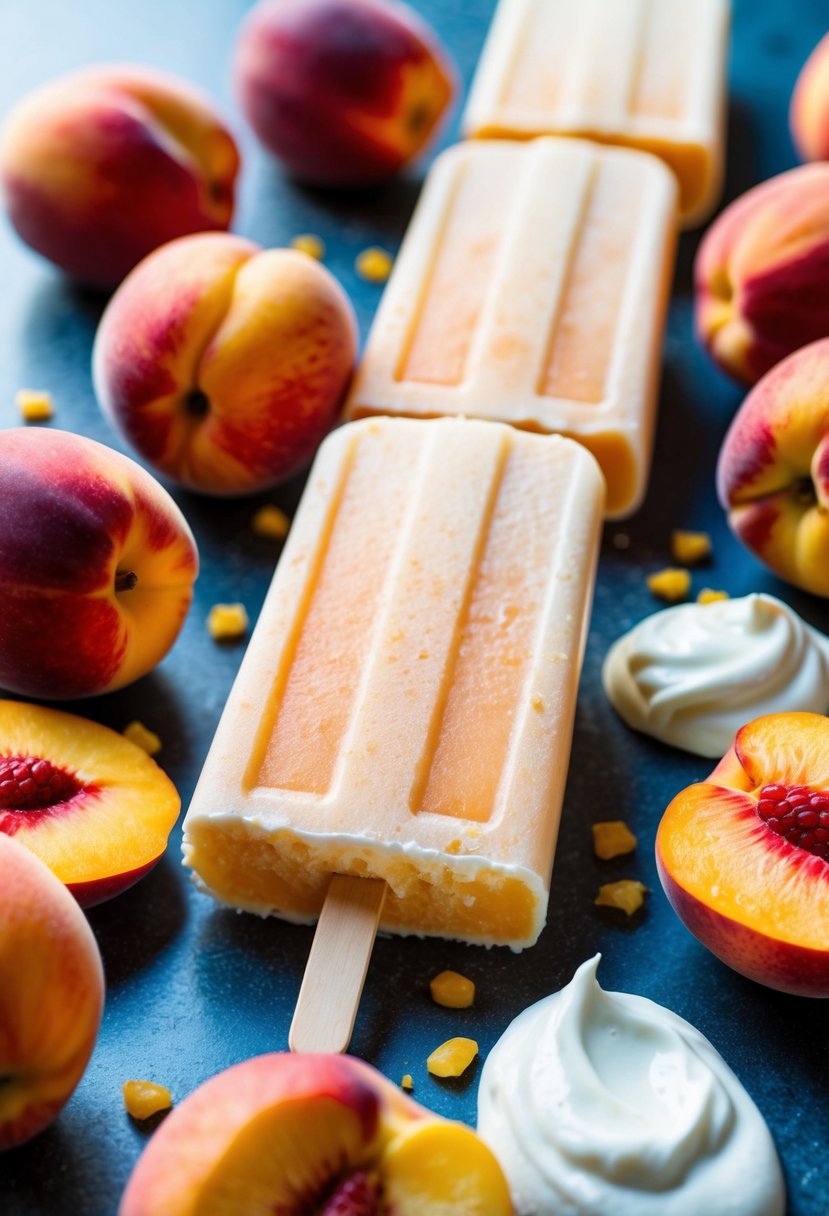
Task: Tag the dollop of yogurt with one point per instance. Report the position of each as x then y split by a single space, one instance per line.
694 674
605 1104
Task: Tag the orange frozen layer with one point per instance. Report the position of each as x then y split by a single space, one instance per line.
405 708
649 74
531 289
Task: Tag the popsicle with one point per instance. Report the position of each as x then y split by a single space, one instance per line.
649 74
405 708
531 288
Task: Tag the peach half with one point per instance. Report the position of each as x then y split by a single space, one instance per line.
303 1134
809 111
744 856
51 994
92 805
773 469
762 274
101 166
225 364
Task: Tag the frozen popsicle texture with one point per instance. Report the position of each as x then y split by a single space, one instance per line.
649 74
531 288
405 707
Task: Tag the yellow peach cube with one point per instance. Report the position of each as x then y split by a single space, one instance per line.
628 894
374 265
452 990
689 548
406 1082
34 405
452 1058
270 521
227 621
147 740
669 584
709 596
306 242
612 838
143 1099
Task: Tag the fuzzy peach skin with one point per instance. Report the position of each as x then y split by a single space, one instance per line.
344 92
773 469
51 994
97 565
326 1134
101 166
756 894
762 274
809 110
224 364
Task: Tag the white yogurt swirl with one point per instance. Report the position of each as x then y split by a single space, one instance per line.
694 674
604 1104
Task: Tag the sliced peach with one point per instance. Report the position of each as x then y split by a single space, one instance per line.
744 856
91 804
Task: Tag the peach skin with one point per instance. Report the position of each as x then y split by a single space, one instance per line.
224 364
809 111
762 274
328 1134
51 994
72 152
97 565
744 856
773 469
344 92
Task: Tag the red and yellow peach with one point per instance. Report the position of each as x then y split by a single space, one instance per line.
323 1133
809 111
102 166
97 565
762 274
51 994
224 364
773 469
744 856
344 92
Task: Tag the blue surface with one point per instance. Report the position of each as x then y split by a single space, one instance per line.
193 988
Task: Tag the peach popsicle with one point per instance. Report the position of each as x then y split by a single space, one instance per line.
531 288
648 74
405 708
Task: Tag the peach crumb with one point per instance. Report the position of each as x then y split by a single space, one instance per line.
406 1082
689 548
538 704
628 894
143 1099
452 1058
147 740
306 242
374 265
34 405
270 521
709 596
612 838
452 990
669 584
227 621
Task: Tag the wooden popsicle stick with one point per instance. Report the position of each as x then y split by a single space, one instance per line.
326 1007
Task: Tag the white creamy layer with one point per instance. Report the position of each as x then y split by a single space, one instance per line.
694 674
604 1104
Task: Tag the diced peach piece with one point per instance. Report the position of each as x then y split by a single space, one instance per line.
452 990
374 265
227 622
708 595
690 548
628 895
669 584
612 838
143 1099
271 522
306 242
452 1058
35 405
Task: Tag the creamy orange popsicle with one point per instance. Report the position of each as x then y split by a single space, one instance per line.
405 707
648 74
531 288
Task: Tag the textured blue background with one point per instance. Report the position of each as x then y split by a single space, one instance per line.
193 988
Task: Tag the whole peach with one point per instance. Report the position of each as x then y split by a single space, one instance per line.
344 92
809 111
762 273
51 994
225 364
102 166
97 566
773 469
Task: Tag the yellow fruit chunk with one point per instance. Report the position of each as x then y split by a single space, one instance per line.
689 548
709 596
374 265
669 584
452 1058
306 242
407 1082
628 894
612 838
144 1098
147 740
34 405
452 990
443 1169
271 522
227 621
